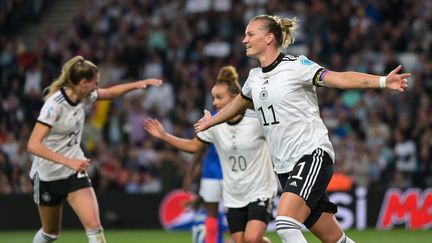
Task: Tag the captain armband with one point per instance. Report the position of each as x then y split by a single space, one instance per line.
318 77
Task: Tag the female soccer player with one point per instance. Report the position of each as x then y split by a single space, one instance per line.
59 166
283 93
249 183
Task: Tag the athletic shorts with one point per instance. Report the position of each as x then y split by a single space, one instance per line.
259 210
52 193
211 190
309 179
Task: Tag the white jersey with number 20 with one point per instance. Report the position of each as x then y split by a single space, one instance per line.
66 120
245 160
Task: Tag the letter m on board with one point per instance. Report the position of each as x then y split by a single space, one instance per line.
411 208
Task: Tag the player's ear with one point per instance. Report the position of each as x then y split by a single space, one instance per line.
269 38
84 82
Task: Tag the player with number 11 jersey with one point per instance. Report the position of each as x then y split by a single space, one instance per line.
286 104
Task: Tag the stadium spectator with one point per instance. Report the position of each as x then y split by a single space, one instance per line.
283 93
59 169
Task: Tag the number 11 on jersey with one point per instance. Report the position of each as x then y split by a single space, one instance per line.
275 121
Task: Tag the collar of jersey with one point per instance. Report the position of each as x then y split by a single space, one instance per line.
232 123
273 64
69 101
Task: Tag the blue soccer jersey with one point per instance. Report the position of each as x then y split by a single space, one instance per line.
211 167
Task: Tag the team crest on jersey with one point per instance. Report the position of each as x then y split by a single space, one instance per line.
306 61
264 94
46 197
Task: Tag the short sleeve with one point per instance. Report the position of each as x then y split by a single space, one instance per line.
92 98
310 72
246 91
49 113
206 136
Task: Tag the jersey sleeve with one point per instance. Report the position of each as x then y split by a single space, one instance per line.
246 91
49 113
206 136
310 72
92 98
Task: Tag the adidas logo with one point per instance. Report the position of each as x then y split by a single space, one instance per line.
294 183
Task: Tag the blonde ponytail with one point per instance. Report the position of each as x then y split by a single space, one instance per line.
288 27
72 72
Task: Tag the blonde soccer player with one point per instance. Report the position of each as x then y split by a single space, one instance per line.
59 165
283 93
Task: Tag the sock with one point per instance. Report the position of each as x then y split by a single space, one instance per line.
96 236
345 239
289 230
211 226
41 237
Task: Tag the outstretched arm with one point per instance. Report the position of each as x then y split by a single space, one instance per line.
120 89
234 108
356 80
155 128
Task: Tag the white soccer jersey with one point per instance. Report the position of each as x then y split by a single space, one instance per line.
66 120
245 160
285 100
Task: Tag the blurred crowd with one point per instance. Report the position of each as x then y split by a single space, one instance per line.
381 138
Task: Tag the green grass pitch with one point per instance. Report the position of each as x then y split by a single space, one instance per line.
155 236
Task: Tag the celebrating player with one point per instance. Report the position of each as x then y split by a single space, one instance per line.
59 166
283 93
249 183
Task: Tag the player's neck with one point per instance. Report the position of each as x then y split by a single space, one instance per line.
72 95
269 57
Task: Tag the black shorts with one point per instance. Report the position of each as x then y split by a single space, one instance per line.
309 179
52 193
238 217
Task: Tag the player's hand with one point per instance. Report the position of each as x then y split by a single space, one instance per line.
203 123
154 127
397 82
142 84
78 164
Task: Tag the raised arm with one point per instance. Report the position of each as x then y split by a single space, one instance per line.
36 147
356 80
234 108
155 128
120 89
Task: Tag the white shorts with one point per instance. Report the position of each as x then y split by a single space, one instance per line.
211 190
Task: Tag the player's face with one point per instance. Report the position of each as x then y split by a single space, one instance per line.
88 86
256 38
221 96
